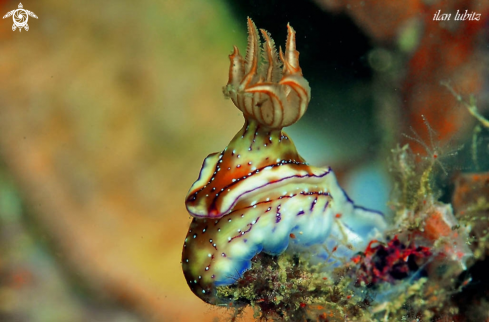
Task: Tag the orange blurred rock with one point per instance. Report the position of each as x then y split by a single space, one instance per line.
445 51
379 19
105 108
469 189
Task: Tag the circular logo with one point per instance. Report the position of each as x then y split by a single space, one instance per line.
20 18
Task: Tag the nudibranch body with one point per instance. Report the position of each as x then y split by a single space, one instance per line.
259 194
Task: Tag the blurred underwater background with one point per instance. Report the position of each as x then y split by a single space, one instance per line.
107 110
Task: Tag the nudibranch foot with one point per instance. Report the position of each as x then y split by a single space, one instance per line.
259 195
218 251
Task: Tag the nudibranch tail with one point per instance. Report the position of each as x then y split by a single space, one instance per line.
258 192
273 96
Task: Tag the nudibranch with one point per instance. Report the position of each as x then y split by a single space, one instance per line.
259 194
